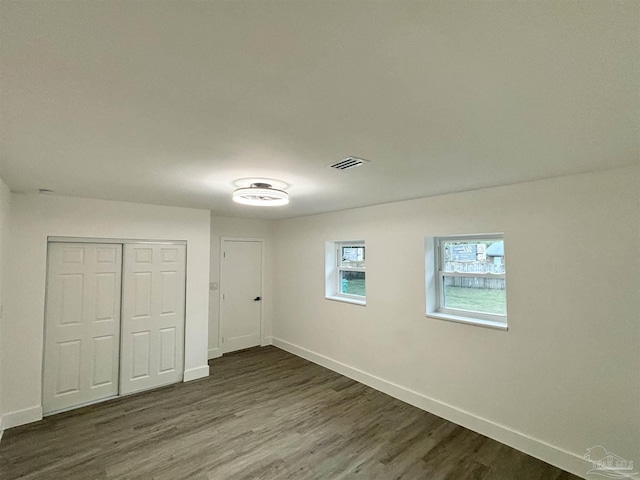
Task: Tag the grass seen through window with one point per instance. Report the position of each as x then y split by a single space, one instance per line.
354 287
476 299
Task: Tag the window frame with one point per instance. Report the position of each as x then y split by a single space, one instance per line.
334 268
436 278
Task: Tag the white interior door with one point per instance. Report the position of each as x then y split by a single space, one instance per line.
241 294
152 316
82 324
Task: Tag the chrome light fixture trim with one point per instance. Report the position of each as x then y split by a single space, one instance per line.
261 194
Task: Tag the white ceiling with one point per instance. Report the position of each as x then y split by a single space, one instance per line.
170 102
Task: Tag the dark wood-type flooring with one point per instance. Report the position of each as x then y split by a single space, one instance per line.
262 414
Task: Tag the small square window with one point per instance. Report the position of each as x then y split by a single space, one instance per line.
466 279
346 272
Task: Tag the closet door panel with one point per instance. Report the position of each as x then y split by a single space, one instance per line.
82 324
152 316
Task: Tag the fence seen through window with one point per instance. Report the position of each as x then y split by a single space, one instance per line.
472 275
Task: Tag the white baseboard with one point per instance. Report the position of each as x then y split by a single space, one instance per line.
217 352
196 373
540 449
21 417
1 427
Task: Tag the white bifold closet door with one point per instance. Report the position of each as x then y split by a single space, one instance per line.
82 328
113 326
153 301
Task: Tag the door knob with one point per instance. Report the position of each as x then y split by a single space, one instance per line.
257 299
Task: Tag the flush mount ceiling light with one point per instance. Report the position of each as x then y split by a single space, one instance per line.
260 194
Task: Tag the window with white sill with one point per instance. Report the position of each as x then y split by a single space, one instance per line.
345 271
467 279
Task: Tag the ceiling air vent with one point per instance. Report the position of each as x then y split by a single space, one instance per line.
347 163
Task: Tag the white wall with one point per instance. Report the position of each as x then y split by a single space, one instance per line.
242 228
4 218
35 217
562 379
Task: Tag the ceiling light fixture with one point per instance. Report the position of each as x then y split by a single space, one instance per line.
261 194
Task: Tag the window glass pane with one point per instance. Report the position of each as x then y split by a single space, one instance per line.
477 256
352 283
352 256
485 295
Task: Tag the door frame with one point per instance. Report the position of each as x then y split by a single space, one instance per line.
262 265
54 239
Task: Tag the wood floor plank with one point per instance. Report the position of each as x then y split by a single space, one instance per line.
262 414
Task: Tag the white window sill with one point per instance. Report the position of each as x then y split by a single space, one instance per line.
469 320
354 301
